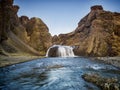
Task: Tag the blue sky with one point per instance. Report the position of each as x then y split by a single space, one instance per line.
62 16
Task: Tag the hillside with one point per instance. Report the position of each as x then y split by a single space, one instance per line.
97 34
21 35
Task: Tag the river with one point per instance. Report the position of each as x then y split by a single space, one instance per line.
54 74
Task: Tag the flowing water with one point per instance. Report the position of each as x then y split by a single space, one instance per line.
60 51
54 74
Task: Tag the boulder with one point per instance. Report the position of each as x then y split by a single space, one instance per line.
102 82
53 52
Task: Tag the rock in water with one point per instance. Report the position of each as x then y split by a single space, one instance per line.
102 82
60 51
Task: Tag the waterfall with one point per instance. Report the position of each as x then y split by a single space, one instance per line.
60 51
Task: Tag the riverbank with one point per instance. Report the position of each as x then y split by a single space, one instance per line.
115 61
10 60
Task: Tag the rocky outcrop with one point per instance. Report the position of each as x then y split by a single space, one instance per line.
21 35
39 37
97 7
103 82
53 52
97 34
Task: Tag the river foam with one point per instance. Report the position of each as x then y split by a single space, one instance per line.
60 51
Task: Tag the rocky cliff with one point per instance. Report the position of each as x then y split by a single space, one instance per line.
21 35
97 34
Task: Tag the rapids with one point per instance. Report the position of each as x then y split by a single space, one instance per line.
54 74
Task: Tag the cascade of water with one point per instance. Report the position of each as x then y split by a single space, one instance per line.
60 51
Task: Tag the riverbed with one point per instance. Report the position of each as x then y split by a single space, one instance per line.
54 74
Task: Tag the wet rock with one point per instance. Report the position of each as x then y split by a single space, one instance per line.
53 52
54 67
115 61
103 82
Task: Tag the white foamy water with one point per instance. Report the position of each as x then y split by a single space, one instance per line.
61 51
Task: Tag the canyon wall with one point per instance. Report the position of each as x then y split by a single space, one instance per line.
97 34
21 35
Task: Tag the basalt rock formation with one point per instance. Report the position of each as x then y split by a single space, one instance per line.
97 34
21 35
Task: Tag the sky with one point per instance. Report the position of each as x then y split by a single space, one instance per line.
62 16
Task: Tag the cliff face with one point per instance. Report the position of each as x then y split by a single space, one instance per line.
21 35
38 36
97 34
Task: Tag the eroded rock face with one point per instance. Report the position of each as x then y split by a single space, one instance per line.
38 35
21 35
40 38
24 20
97 34
53 52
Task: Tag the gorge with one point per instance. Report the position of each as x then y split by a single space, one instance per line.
97 33
96 37
21 35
